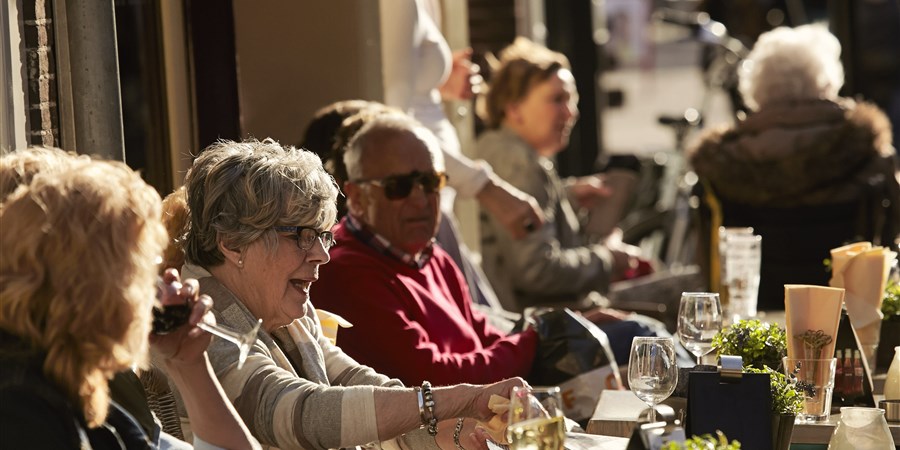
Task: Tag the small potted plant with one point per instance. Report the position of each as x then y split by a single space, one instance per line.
759 344
705 442
890 327
787 401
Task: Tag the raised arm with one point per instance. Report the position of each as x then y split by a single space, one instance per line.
183 352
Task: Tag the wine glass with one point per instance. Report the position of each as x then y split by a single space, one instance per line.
699 320
652 371
168 318
536 420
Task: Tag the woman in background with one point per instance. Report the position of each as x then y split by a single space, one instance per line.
808 169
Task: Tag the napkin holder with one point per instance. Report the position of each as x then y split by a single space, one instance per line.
847 339
648 435
738 404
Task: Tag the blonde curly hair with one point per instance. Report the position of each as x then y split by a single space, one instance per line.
78 274
788 64
18 168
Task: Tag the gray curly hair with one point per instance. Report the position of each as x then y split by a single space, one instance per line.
238 191
801 63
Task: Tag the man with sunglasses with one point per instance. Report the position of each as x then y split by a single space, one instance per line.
408 302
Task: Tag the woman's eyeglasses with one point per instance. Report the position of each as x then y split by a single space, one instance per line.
397 187
306 237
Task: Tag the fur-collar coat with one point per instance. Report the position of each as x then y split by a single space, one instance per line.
801 153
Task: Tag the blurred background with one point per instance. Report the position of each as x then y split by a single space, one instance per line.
155 81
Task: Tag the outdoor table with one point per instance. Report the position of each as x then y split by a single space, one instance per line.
617 412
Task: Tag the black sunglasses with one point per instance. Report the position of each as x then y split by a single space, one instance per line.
398 187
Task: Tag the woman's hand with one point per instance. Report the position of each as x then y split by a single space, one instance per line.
187 344
481 410
474 437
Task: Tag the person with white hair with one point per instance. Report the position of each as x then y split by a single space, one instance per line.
808 169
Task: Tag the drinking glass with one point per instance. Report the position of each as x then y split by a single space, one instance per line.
536 420
652 372
170 317
724 233
699 319
815 380
743 259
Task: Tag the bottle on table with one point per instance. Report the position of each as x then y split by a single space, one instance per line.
848 373
857 389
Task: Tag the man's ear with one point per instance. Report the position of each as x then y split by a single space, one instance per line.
356 198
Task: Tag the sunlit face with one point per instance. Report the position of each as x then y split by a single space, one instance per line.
408 223
277 280
545 116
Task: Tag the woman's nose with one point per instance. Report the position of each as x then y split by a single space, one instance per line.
318 254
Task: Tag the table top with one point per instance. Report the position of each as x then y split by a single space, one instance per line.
582 441
617 412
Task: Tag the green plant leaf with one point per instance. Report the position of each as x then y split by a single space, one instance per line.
786 399
891 304
758 343
705 442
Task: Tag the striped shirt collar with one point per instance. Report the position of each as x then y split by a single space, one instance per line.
383 246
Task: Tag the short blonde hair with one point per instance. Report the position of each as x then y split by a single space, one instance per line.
786 64
78 274
238 191
522 65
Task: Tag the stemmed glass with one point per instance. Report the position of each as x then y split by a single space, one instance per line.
536 420
170 317
699 320
652 371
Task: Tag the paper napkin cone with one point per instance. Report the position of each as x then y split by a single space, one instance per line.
331 323
814 308
841 255
864 278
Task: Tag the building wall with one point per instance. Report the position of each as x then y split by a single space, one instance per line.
295 57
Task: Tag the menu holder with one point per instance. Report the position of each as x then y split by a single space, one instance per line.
737 404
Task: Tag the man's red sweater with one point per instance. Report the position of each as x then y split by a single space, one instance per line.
415 324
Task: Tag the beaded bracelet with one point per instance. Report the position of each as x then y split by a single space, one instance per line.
429 408
459 426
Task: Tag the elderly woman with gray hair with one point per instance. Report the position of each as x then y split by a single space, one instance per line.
808 169
260 221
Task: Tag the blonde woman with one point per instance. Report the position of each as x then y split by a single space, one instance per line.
78 280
